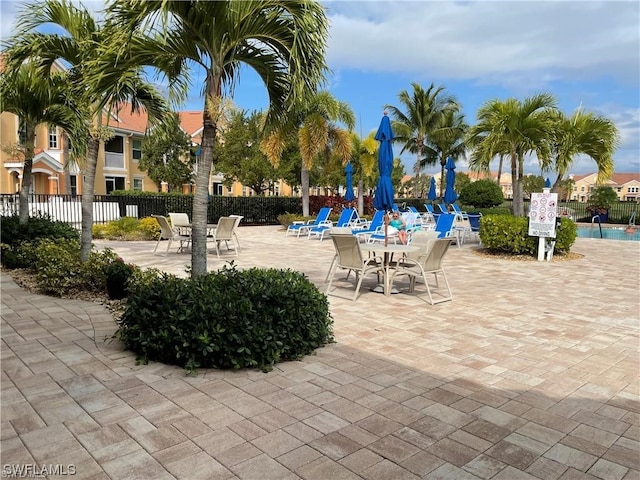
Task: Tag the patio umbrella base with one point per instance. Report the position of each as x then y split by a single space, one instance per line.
380 289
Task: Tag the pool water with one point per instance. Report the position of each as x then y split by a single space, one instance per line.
609 233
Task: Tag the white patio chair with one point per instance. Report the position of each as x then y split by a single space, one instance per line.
235 228
224 232
167 232
427 263
349 257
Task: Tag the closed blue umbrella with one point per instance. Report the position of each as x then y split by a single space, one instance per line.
349 196
383 198
432 195
547 183
450 195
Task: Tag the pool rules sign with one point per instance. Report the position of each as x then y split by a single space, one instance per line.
542 221
542 214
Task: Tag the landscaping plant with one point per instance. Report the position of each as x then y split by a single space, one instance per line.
226 319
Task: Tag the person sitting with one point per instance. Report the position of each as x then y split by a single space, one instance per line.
399 224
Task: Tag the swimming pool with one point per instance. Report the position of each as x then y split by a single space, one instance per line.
611 233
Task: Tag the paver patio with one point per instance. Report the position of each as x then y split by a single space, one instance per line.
531 372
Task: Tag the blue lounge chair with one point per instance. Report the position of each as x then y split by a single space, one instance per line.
432 212
345 219
301 227
376 221
445 226
457 210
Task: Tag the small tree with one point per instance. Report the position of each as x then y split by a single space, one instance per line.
166 154
482 194
601 199
532 184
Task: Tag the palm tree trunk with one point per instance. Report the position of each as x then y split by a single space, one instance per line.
304 184
27 177
518 202
360 197
201 200
67 162
499 169
88 191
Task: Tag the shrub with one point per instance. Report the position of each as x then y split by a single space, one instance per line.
128 228
14 235
481 194
509 234
118 274
58 266
225 319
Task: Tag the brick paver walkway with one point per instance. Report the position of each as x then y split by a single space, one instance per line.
531 372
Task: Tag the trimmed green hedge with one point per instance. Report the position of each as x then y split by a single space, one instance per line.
226 319
509 234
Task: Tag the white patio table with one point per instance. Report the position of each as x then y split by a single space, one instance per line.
388 251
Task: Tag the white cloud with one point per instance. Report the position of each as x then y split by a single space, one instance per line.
504 42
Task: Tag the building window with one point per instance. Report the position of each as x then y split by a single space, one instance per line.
137 184
136 146
73 181
114 183
53 138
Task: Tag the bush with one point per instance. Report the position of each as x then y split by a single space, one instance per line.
58 266
128 228
15 235
225 319
482 194
118 275
509 234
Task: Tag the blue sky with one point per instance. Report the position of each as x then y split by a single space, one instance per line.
585 53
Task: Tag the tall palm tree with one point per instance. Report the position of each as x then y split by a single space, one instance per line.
447 139
588 134
424 109
103 71
363 158
514 129
315 121
36 99
283 41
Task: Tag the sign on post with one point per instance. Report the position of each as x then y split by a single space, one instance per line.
542 219
542 214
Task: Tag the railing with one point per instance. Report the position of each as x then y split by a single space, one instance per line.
106 208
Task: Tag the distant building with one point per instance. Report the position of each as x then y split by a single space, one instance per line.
626 185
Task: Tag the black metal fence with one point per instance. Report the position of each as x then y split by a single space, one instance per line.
106 208
255 210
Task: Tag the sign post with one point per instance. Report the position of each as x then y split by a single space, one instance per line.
542 218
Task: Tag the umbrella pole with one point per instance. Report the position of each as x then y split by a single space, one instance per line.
386 228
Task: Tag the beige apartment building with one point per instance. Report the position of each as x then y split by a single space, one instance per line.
118 158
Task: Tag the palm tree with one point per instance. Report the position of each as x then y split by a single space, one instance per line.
447 139
364 155
424 109
283 41
36 99
314 119
104 74
588 134
514 129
